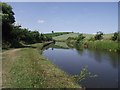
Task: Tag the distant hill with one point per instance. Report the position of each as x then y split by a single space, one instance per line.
64 37
87 36
56 34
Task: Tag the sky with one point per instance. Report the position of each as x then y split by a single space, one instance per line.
83 17
61 0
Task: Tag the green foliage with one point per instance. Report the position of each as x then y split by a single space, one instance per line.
12 35
7 13
91 39
84 73
52 31
87 36
30 37
75 41
15 44
115 37
80 38
7 21
99 36
103 45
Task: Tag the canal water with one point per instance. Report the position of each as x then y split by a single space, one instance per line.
101 63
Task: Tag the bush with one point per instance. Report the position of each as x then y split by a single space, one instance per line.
115 37
99 36
91 39
80 38
16 44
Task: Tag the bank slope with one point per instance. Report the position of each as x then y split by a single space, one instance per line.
27 68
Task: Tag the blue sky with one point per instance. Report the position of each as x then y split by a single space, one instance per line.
85 17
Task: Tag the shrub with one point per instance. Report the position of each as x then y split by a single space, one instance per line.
99 36
115 37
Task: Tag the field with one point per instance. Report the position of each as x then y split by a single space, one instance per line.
87 36
64 37
56 34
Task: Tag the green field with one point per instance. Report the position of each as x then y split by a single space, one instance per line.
56 34
64 37
87 36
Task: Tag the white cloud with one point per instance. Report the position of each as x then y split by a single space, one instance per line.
41 21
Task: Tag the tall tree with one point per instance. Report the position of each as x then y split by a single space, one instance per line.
7 21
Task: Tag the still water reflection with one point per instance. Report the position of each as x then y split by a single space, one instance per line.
104 64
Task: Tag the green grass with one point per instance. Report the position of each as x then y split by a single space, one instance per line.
104 45
56 34
27 68
64 37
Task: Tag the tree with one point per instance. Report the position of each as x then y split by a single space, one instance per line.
7 21
52 31
13 34
115 37
99 36
7 13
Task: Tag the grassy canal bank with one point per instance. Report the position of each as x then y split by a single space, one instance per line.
27 68
103 45
106 43
110 46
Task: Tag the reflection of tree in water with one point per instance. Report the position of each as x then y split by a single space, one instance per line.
52 48
70 45
80 51
79 48
103 55
114 59
97 55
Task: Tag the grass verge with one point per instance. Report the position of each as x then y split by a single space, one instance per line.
104 45
27 68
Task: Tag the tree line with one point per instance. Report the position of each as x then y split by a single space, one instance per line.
14 35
